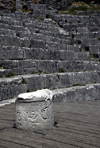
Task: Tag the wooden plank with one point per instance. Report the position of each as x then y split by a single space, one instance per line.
78 126
32 139
77 139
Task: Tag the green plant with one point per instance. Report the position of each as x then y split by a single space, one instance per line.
48 16
61 42
44 87
95 56
23 81
61 70
10 74
58 76
1 66
13 5
79 85
77 99
1 76
99 38
84 24
71 43
28 90
43 57
24 24
53 97
80 49
70 22
41 18
39 72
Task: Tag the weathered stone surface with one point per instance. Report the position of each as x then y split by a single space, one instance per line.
34 111
40 47
19 5
77 93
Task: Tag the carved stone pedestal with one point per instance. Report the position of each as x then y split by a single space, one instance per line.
34 111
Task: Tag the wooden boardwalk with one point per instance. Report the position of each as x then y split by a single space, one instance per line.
77 125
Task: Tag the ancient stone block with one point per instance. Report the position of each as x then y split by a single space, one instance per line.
34 111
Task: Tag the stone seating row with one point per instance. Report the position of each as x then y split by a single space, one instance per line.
10 87
19 67
41 54
29 60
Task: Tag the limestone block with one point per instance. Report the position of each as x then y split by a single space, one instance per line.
34 111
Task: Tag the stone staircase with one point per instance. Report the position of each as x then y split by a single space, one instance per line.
61 54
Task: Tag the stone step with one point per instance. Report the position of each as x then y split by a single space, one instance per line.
12 86
27 41
94 49
6 40
9 40
13 27
86 42
37 23
45 22
39 53
7 32
4 72
94 34
93 29
33 33
42 27
54 55
75 19
10 32
48 66
49 38
84 35
10 21
77 93
50 33
90 41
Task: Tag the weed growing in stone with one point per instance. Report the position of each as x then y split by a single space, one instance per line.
44 87
10 74
79 85
23 81
61 70
48 16
28 90
71 43
1 66
70 22
13 5
58 76
24 24
99 38
80 49
41 18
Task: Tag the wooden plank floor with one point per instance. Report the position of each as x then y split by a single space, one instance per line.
77 125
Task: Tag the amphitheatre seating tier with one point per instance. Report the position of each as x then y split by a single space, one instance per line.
61 54
10 87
